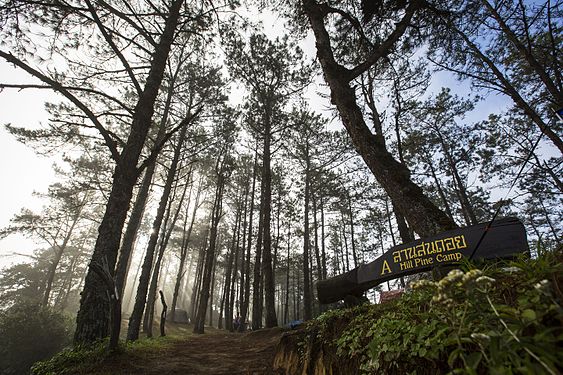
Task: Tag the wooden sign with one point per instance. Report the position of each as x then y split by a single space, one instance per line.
504 239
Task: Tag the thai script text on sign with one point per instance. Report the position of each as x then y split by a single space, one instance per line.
424 254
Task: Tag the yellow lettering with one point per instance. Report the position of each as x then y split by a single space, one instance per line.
455 257
449 243
438 248
396 256
420 250
460 242
427 247
385 268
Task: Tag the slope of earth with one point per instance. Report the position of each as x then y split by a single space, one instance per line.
484 318
216 352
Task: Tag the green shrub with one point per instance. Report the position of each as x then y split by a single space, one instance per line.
30 333
503 319
86 358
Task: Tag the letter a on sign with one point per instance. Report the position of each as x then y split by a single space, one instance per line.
385 268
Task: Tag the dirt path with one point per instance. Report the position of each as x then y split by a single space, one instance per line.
214 353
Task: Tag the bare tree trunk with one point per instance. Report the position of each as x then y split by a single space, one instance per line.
423 216
93 316
246 300
267 271
139 307
59 252
184 249
210 256
307 298
163 315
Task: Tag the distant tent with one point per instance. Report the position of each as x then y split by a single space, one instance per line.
181 316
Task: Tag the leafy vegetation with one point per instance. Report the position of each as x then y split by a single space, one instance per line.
83 359
30 333
504 318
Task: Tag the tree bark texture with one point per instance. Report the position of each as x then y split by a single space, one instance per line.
267 272
246 299
184 250
307 298
93 315
142 289
423 216
199 322
167 231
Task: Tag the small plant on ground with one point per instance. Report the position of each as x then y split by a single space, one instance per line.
505 318
30 333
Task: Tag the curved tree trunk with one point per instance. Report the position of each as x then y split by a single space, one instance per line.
423 216
92 321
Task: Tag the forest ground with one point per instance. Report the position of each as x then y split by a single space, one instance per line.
215 352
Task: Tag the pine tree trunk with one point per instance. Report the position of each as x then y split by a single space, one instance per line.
243 266
164 237
286 311
316 231
199 322
323 247
228 275
423 216
440 191
232 293
59 253
256 281
142 289
92 321
351 222
184 250
307 298
212 290
222 303
267 271
130 236
246 299
198 278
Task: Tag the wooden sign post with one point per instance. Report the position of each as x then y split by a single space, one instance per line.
504 239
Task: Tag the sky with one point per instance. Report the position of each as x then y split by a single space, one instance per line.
23 171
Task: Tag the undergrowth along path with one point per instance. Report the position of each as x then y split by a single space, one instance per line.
217 352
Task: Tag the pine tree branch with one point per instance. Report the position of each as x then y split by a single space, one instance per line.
57 86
